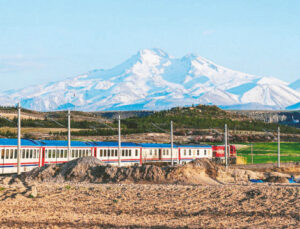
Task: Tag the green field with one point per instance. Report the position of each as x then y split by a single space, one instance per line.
267 152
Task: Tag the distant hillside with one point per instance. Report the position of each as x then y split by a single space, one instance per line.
201 117
203 122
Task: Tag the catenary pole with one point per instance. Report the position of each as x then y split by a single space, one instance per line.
171 136
119 141
226 159
278 149
19 140
69 135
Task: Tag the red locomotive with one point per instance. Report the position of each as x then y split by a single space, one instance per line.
219 153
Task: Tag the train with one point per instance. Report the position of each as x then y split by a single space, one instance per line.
38 153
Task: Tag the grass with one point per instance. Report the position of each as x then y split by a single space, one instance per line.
2 188
258 159
267 152
68 187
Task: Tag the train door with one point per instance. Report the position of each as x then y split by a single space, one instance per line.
194 154
43 156
2 155
95 152
159 154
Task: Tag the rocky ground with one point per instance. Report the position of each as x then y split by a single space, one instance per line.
85 194
145 205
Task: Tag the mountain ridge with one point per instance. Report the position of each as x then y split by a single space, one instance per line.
154 80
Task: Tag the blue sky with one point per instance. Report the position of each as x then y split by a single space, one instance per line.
42 41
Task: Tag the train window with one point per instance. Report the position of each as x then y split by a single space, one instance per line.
116 152
108 152
16 153
73 153
11 154
30 153
53 153
197 152
61 153
136 152
1 153
79 153
105 153
150 152
123 153
130 153
83 153
23 153
205 152
190 152
6 153
34 153
101 152
184 152
65 153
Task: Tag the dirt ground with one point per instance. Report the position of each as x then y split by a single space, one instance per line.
84 193
143 205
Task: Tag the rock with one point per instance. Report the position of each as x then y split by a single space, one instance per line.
33 192
6 180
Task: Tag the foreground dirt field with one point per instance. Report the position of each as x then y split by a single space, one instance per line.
149 205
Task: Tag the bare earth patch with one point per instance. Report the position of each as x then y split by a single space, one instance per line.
144 205
84 193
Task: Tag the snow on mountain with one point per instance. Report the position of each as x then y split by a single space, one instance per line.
295 85
152 79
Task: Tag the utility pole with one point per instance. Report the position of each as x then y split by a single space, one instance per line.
226 159
19 140
278 149
228 148
252 153
171 135
119 141
69 135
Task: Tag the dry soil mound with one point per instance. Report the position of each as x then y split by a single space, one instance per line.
200 171
90 169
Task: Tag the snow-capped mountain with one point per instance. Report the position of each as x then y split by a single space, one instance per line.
295 85
152 79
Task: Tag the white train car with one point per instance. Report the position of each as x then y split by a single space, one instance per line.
56 152
108 153
44 152
30 155
152 152
189 153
